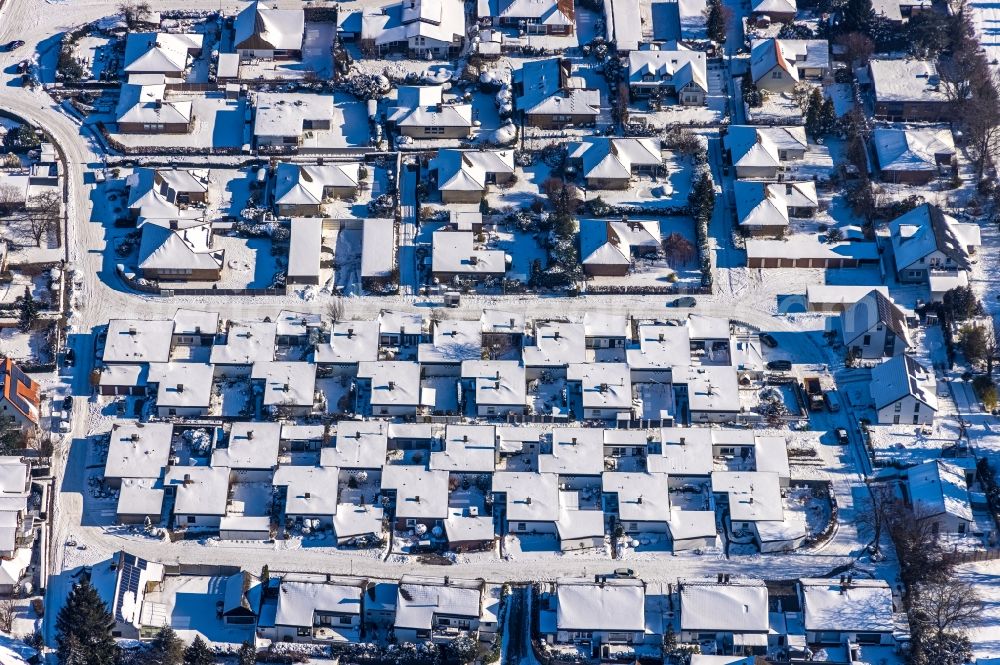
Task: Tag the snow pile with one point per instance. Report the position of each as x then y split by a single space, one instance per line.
198 441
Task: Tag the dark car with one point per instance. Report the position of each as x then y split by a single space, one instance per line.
12 46
779 365
683 301
842 437
68 403
768 340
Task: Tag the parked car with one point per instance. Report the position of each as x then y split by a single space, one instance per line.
832 399
12 46
683 301
842 437
68 404
624 572
768 340
780 365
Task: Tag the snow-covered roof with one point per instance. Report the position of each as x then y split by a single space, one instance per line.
677 68
623 19
283 114
298 602
642 497
121 583
420 599
686 451
603 385
251 445
378 238
350 342
788 54
454 341
147 104
138 450
261 28
939 487
286 383
760 146
502 322
312 490
360 444
542 12
774 7
420 493
738 607
247 342
691 524
395 382
159 53
612 242
548 89
200 490
912 148
440 21
765 204
183 248
576 451
607 605
753 495
182 384
607 157
906 81
711 388
872 310
195 322
351 521
829 294
140 496
422 106
466 448
926 229
456 252
531 496
469 170
497 382
808 246
900 376
660 347
304 184
512 438
599 324
398 322
557 343
305 247
467 519
137 341
576 523
861 606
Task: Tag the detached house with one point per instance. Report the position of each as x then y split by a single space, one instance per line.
454 255
939 494
176 252
420 113
608 247
908 90
610 163
270 34
283 119
904 391
682 74
302 189
160 53
464 176
597 613
20 401
875 327
780 11
418 28
764 208
551 98
439 609
927 241
778 65
914 156
854 611
763 152
144 109
315 611
536 17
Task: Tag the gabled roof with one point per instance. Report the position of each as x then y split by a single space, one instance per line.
677 68
938 487
303 184
298 602
147 104
258 27
20 390
612 242
926 229
162 248
612 604
548 88
159 53
420 599
614 158
788 55
544 12
467 170
773 6
899 377
738 607
759 146
422 106
873 309
861 606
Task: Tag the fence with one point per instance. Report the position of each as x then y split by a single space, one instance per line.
991 554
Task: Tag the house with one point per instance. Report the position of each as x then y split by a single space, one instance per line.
310 493
420 113
137 450
680 74
452 343
122 582
438 609
908 90
242 598
556 344
660 348
389 388
904 391
201 495
283 119
143 108
182 388
763 12
499 387
350 343
925 240
400 329
610 163
549 97
764 208
160 193
605 389
359 445
21 400
692 530
875 327
914 156
755 505
466 449
378 255
262 32
250 451
289 386
624 25
575 451
939 494
179 252
464 176
246 343
300 190
140 499
851 610
305 251
639 501
314 611
711 392
606 331
357 525
164 53
502 329
454 257
548 17
608 247
596 613
17 526
778 65
734 615
530 499
419 496
418 28
763 152
136 341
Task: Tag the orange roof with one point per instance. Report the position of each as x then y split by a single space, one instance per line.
21 391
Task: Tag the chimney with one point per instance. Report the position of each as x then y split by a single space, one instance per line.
350 333
285 388
132 331
417 498
574 440
718 579
528 501
180 387
187 479
661 337
512 324
556 334
465 438
682 440
250 434
306 495
392 385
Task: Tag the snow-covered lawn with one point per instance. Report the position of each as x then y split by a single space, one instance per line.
187 603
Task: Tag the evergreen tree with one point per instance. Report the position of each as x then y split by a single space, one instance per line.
859 16
83 629
29 310
716 21
814 107
166 648
198 653
247 655
702 197
827 117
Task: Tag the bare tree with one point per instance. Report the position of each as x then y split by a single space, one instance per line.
872 515
10 198
857 47
8 610
678 248
335 309
946 606
980 115
43 215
